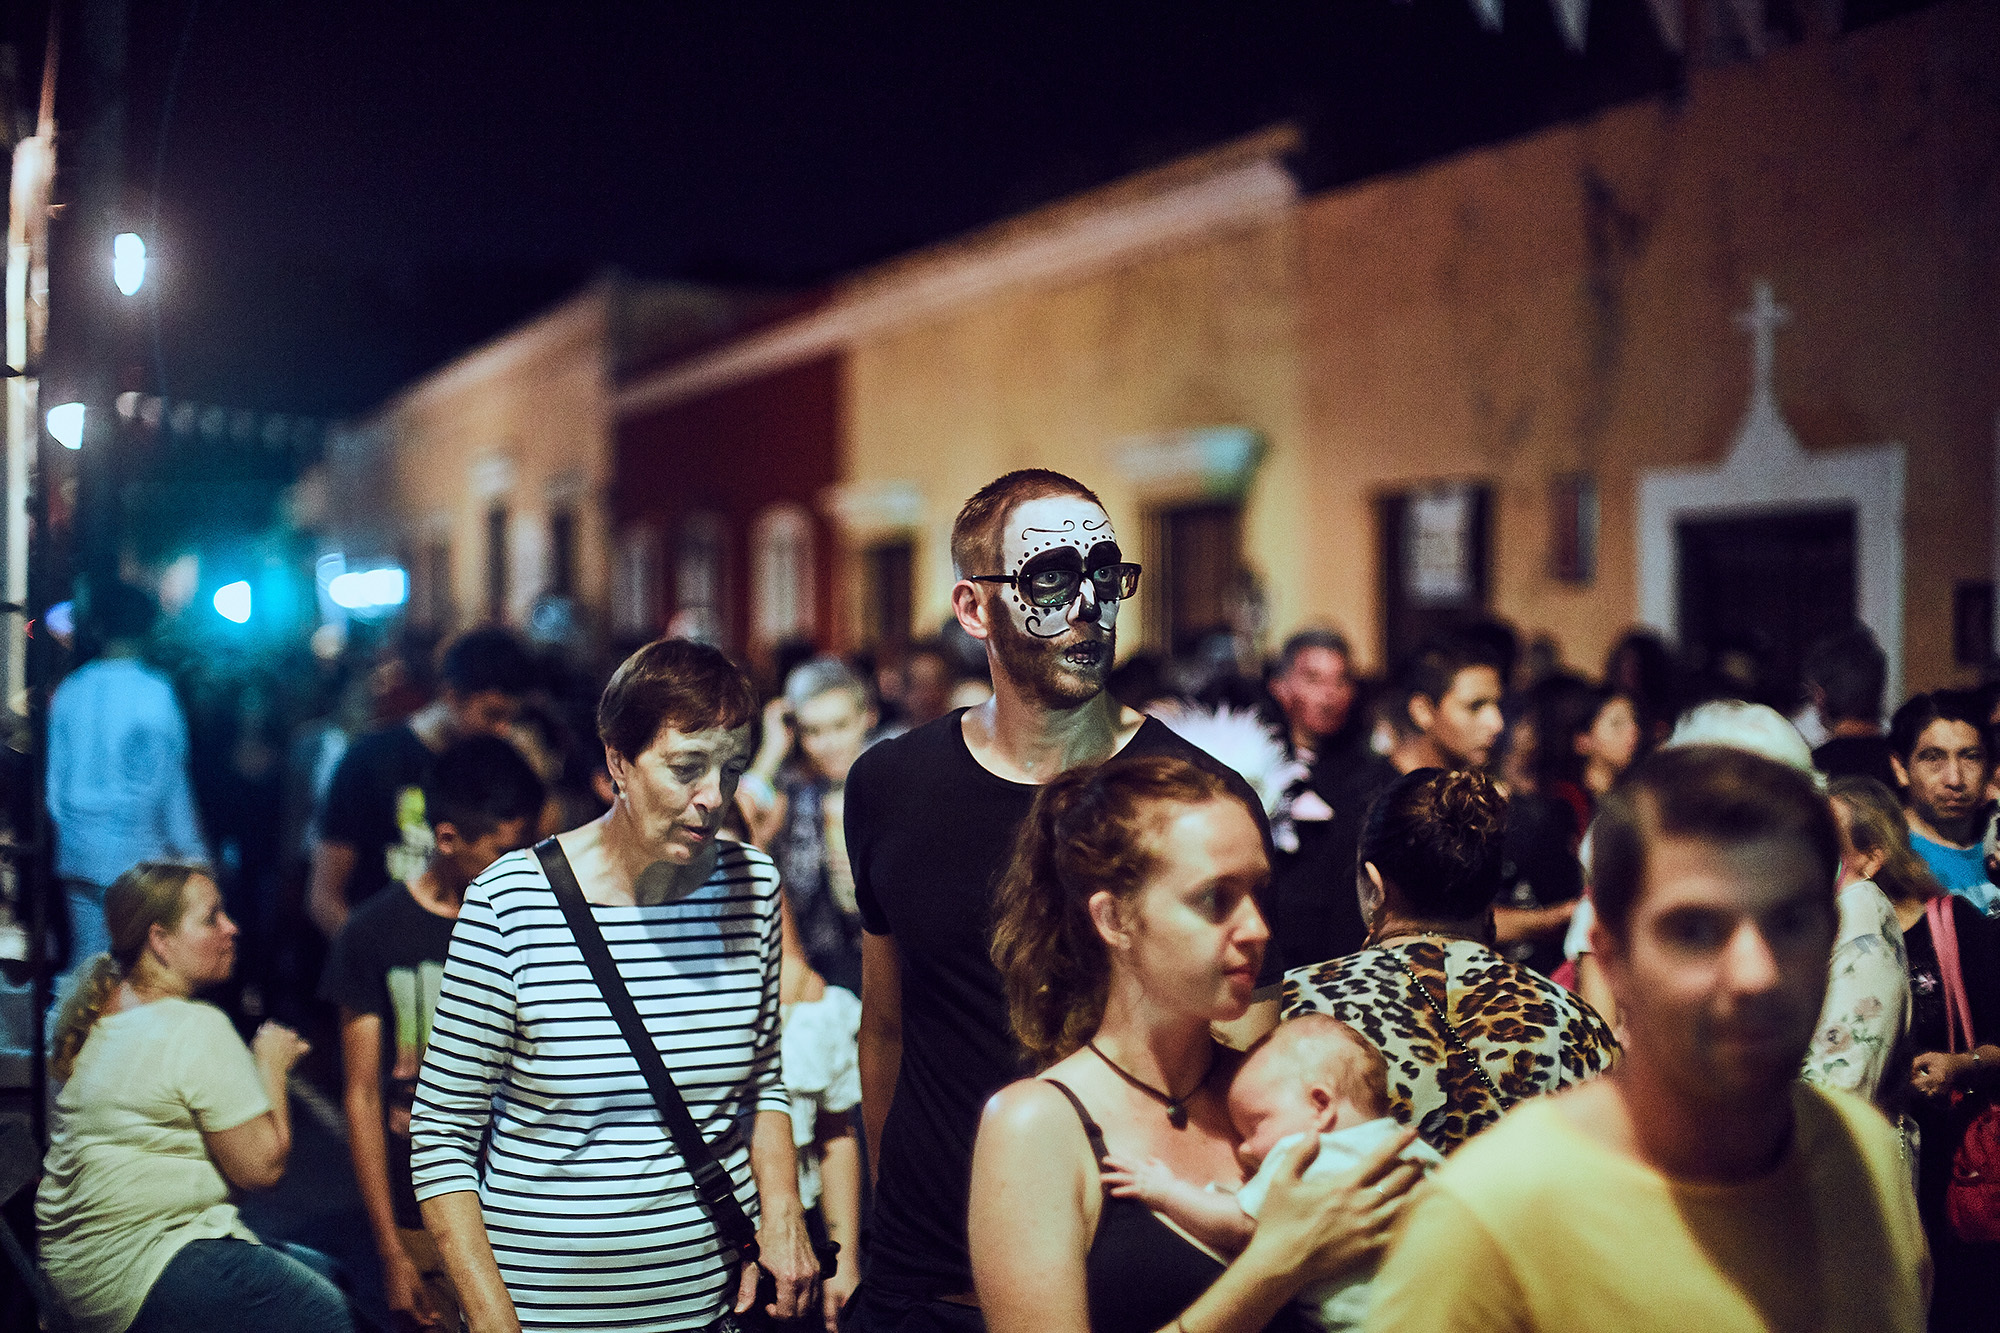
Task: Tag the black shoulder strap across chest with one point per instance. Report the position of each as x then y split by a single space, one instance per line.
710 1178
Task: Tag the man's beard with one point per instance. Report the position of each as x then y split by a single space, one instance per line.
1038 668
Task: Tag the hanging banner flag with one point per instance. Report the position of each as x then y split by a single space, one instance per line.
1573 19
1672 21
1488 12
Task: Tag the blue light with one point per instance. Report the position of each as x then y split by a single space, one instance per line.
369 589
232 601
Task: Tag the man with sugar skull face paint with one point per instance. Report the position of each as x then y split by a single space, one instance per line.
931 820
1053 616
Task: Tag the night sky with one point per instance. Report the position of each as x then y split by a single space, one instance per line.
348 194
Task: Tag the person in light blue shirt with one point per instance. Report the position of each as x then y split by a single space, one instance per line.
118 790
1943 758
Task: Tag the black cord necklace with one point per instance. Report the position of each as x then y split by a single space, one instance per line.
1177 1112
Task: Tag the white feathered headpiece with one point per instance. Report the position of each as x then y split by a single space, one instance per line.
1242 740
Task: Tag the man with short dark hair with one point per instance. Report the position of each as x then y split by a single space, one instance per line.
1845 675
371 827
1454 690
931 821
1700 1184
482 801
1311 899
1943 758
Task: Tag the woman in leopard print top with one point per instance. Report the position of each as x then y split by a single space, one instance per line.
1466 1032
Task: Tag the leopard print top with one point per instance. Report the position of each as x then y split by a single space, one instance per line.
1531 1035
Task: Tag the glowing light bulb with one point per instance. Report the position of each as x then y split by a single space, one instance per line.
232 601
128 262
66 424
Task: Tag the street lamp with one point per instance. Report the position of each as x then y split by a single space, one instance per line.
66 425
128 262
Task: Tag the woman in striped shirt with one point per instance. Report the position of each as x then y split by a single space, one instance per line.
555 1194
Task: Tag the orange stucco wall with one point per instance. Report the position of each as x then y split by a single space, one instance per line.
1566 303
1561 303
524 422
1200 335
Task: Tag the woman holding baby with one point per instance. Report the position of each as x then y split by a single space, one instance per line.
1127 926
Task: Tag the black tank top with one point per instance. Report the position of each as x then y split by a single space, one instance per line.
1140 1274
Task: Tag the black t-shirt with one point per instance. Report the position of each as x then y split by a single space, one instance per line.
1856 756
1314 909
387 961
1979 964
1541 868
375 804
929 831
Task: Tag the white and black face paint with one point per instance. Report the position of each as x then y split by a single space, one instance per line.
1058 539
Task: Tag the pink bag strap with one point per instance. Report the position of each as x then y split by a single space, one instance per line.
1944 938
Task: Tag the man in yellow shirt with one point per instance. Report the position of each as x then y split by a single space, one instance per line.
1699 1184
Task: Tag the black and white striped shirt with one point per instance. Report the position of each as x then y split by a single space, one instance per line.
593 1218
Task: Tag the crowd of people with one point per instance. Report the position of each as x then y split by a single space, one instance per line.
1043 997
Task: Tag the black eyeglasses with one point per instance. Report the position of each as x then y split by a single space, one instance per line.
1047 589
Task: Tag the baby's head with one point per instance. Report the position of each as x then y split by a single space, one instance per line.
1311 1075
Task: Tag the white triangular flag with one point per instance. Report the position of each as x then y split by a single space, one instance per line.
1573 18
1672 20
1489 13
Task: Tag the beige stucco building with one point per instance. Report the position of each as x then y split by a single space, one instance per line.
489 480
1517 381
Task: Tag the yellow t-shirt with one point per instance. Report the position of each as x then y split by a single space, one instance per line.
128 1180
1534 1225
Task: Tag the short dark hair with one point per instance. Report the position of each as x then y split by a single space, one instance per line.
1433 667
478 784
120 611
1331 640
1715 793
1851 670
1920 710
674 683
1440 839
487 659
975 536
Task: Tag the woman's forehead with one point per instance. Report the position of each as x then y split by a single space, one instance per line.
709 741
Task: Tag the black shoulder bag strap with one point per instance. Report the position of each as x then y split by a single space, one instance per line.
710 1178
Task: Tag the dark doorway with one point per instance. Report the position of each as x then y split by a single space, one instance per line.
496 565
887 608
562 553
1756 591
1194 574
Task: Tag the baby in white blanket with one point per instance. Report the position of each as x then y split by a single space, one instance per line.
1314 1075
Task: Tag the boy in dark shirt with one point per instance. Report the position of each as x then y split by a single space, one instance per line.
371 828
481 800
